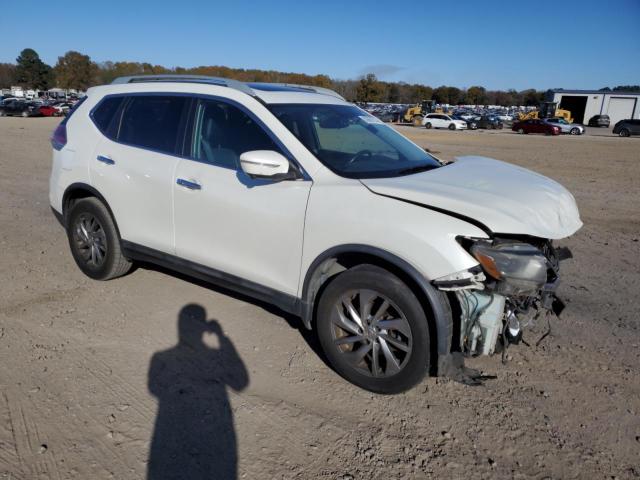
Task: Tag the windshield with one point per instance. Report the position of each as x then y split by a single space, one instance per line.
351 142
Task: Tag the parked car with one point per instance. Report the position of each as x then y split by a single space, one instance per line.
599 121
471 123
535 126
626 128
19 108
440 120
63 107
566 127
298 198
49 111
489 121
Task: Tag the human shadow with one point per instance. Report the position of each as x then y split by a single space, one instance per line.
194 436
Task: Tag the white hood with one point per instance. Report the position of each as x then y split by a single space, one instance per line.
504 197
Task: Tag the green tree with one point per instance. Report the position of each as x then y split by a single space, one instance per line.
441 94
75 70
421 92
531 97
7 75
31 72
476 96
369 89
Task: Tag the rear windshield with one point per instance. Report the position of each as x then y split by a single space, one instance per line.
351 142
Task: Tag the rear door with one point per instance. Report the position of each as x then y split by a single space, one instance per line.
225 220
133 165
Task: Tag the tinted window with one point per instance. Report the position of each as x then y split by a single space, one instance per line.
104 113
152 122
223 132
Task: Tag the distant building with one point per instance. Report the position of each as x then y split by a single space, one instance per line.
584 104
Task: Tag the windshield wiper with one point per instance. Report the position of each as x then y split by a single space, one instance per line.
417 169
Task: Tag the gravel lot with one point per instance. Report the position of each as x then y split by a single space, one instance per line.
80 360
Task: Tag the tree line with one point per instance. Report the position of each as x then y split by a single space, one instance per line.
75 70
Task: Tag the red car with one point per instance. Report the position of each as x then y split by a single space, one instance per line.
535 126
49 111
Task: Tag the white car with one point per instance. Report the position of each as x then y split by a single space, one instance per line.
293 196
440 120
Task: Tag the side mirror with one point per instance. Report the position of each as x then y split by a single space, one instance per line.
265 164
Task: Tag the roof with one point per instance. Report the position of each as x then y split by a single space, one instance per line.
593 92
267 92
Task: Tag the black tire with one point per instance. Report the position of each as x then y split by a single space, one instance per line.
427 125
452 126
108 261
2 113
403 304
574 131
521 131
24 114
624 133
473 126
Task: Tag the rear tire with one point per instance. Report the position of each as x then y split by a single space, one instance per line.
373 330
94 240
624 133
521 131
24 114
427 125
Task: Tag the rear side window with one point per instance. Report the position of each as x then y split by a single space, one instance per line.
103 115
152 122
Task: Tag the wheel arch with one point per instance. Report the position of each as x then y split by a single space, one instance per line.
336 259
79 190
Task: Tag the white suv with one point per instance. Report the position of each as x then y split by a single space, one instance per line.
296 197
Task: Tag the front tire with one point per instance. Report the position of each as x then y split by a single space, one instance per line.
452 126
94 240
521 131
373 330
574 131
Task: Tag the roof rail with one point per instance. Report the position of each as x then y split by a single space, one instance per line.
313 88
224 82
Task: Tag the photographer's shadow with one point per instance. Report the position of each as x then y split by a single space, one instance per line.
194 436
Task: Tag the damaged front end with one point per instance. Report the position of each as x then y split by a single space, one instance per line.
514 284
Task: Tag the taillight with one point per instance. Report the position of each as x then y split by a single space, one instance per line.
59 137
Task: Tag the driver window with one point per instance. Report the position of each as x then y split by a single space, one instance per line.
222 132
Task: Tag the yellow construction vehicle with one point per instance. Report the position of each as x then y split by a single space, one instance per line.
546 110
416 113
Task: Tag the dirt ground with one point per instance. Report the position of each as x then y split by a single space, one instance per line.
81 361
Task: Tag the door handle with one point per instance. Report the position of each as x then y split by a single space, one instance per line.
105 160
187 184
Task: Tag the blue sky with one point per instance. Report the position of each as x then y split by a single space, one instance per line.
500 44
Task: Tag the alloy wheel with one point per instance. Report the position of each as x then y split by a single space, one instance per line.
371 332
90 240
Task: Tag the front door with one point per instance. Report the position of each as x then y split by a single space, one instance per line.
249 228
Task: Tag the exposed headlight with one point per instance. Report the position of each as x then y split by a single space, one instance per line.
520 265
